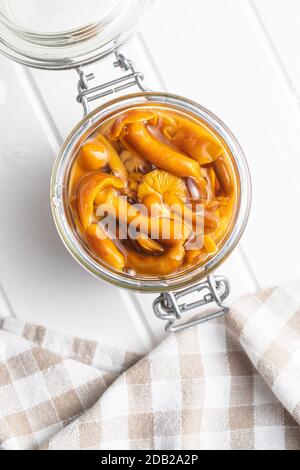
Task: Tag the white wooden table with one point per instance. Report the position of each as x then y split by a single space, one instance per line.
239 58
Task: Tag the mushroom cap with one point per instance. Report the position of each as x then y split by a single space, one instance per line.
161 182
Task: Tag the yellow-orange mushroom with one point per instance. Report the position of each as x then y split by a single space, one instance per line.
87 191
130 117
160 265
104 247
191 138
161 155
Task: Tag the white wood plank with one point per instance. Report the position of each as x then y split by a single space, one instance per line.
281 24
214 52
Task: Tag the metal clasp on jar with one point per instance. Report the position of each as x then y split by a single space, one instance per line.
87 94
168 308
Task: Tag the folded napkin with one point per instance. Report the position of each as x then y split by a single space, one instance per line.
233 383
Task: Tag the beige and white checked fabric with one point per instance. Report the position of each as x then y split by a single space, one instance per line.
227 384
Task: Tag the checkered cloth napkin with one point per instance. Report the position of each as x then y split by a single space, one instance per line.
228 384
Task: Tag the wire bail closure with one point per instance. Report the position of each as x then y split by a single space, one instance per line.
167 307
87 94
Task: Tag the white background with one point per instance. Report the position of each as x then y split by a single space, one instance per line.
239 58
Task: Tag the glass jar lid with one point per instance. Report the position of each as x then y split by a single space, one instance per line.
64 34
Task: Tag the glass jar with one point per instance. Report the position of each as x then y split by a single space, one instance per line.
75 45
59 197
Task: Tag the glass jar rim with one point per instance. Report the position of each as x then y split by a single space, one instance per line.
73 47
182 279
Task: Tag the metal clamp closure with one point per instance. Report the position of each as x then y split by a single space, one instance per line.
87 94
167 307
